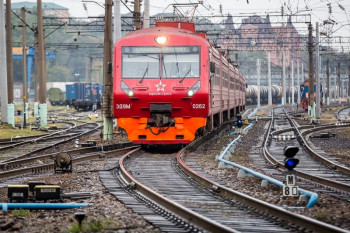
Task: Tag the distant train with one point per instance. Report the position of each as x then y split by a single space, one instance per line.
276 93
171 84
85 96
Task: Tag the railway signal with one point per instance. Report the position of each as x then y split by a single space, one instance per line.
239 121
290 162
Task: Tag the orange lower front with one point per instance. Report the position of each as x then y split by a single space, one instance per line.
182 133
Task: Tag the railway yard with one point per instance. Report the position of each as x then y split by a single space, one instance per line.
203 187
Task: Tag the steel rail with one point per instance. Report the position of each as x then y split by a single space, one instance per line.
55 144
187 214
325 161
265 207
304 175
51 166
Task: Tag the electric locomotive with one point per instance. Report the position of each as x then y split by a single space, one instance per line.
170 84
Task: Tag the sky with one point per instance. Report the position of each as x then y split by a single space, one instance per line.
318 9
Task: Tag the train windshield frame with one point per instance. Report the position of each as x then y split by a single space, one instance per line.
168 62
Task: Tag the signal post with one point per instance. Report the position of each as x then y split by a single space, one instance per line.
290 188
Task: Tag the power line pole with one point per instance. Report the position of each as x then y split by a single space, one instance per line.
318 84
107 74
3 68
137 14
24 66
349 83
283 79
9 59
9 52
292 82
298 81
339 84
146 15
328 82
311 78
42 70
258 72
117 21
36 71
269 78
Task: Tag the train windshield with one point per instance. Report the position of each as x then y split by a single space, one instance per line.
161 62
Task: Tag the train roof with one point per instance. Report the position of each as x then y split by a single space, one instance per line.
172 27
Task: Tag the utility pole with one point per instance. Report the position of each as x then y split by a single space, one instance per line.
36 71
42 70
292 83
258 72
328 82
283 79
339 84
318 81
3 68
137 14
298 81
117 21
146 15
9 58
349 83
269 78
107 74
90 69
311 78
24 66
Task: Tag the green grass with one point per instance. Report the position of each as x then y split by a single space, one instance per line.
96 226
20 213
6 131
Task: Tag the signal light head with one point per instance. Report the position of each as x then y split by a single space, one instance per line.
161 40
289 152
290 164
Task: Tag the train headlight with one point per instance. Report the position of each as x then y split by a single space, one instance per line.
194 88
161 40
126 89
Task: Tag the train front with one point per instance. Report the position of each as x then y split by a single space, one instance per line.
161 85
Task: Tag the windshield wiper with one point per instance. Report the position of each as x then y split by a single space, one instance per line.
144 74
189 70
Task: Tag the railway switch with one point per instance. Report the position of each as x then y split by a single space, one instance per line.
290 162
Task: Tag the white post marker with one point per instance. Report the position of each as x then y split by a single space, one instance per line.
76 143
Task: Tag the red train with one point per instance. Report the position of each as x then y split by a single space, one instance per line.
171 84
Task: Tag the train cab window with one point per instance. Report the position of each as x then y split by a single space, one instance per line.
147 62
180 65
140 66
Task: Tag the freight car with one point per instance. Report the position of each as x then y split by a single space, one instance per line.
171 84
85 96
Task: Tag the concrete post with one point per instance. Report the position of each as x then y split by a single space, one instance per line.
3 68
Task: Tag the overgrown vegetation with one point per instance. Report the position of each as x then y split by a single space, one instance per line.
96 226
20 213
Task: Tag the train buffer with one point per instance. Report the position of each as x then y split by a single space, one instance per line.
325 135
284 137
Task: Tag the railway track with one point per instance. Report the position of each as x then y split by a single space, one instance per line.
32 146
198 203
344 114
15 168
328 176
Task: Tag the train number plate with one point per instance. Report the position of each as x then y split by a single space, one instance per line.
198 106
123 106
